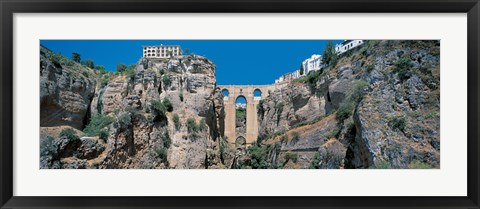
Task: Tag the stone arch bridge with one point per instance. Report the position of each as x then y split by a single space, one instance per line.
247 91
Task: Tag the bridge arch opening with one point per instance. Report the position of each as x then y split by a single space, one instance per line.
240 141
257 93
241 115
225 93
241 101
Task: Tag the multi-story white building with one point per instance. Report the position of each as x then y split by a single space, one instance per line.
347 45
312 64
162 51
296 74
280 79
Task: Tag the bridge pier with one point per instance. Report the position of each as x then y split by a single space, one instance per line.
247 91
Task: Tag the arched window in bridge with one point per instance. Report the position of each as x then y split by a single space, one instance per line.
257 93
225 92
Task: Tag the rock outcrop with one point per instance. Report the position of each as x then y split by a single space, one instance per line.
377 107
66 89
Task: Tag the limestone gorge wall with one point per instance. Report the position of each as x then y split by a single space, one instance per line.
65 92
140 130
189 85
376 107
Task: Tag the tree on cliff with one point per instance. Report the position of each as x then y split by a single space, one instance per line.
301 69
121 67
100 69
329 55
76 57
90 64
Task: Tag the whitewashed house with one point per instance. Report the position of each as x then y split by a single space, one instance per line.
347 45
312 64
296 74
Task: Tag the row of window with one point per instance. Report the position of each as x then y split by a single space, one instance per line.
157 55
174 51
256 93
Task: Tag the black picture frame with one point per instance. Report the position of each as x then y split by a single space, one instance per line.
9 7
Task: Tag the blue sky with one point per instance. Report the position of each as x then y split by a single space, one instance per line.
239 62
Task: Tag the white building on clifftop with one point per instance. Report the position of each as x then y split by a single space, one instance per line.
347 45
162 51
312 64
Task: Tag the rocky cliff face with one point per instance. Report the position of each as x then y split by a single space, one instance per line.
66 89
377 107
162 114
189 85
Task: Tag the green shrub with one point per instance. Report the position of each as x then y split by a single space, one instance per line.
278 110
283 138
158 106
398 123
103 134
358 91
124 120
68 62
104 80
355 96
419 165
259 158
176 121
90 64
167 104
222 146
167 141
181 96
295 135
166 80
192 126
100 69
291 156
85 73
162 153
402 66
56 59
312 78
344 111
100 102
69 133
333 133
314 164
130 71
96 125
240 113
203 125
434 114
121 67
